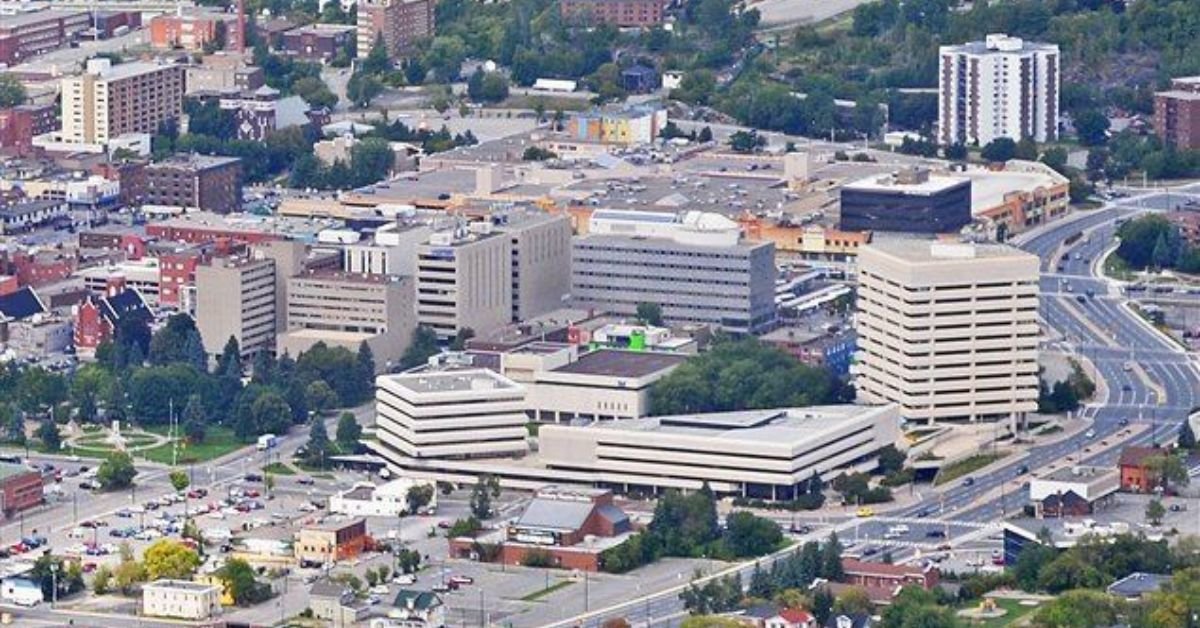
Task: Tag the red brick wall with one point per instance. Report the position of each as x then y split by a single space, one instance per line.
91 328
22 491
1134 479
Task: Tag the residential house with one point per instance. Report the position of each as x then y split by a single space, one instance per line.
855 620
418 609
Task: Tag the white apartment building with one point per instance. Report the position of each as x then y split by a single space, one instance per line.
236 297
464 280
450 411
762 454
181 599
999 87
107 101
947 330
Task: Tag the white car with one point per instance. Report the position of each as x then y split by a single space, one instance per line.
405 578
380 589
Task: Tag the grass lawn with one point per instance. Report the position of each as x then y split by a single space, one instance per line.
965 466
1016 613
537 595
218 441
278 468
1116 268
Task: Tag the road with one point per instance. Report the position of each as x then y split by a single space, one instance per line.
1147 379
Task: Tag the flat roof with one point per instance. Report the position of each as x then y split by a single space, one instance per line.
1083 474
34 17
8 470
618 363
186 585
934 184
1180 94
453 380
926 250
778 426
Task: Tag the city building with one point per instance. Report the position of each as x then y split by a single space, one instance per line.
97 317
20 124
639 79
347 309
20 489
820 347
1177 114
541 259
317 545
390 252
31 33
624 13
1136 475
254 112
195 182
1138 586
319 42
1020 195
625 126
1072 491
235 297
180 599
910 200
107 101
450 410
571 526
401 23
417 609
221 73
869 575
143 274
195 32
385 500
694 265
949 331
29 215
763 454
999 87
464 280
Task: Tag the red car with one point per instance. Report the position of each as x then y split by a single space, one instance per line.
89 567
252 493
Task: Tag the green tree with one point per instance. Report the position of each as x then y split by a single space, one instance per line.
271 413
193 420
1155 512
48 433
12 91
116 472
1081 609
377 61
319 397
101 580
746 141
418 497
650 314
179 480
14 424
1000 149
749 535
348 432
238 576
1092 127
317 449
481 498
167 558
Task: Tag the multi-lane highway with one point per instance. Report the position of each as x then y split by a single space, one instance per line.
1145 381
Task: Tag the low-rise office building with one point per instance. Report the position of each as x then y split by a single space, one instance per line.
911 201
31 33
1072 491
694 265
181 599
328 543
763 454
20 489
196 182
319 42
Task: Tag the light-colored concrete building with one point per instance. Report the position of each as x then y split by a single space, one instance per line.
541 267
181 599
999 87
236 297
393 251
385 500
107 101
692 264
464 280
347 309
450 410
948 330
763 454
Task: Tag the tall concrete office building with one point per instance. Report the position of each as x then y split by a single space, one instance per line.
107 101
541 260
947 330
694 265
999 87
464 280
235 297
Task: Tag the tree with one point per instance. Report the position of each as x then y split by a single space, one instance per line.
271 413
650 314
1155 512
116 472
831 559
1092 127
320 397
1187 438
179 480
955 152
317 448
238 577
705 135
49 435
1083 609
14 425
418 497
1056 158
746 141
101 580
1166 469
12 91
167 558
459 341
348 432
377 61
481 498
229 363
749 535
822 605
999 149
193 420
365 362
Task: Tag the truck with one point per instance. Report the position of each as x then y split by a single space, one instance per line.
267 441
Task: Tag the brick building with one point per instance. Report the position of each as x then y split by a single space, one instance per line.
18 126
1177 114
401 22
196 181
319 42
107 101
330 543
20 488
27 35
1136 477
96 318
130 175
625 13
193 32
884 576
